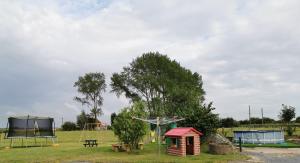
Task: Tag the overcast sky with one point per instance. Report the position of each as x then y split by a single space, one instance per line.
248 52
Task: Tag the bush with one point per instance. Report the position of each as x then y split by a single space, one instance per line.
229 122
68 126
130 131
109 127
201 118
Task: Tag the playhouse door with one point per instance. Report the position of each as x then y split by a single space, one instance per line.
189 145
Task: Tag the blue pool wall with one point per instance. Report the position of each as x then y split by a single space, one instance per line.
259 136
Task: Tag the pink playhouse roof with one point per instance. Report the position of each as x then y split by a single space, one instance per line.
181 131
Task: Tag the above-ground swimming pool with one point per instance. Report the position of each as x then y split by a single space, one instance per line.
259 136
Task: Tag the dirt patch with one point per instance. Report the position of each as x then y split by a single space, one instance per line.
288 151
285 155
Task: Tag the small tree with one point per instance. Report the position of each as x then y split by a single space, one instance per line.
287 113
229 122
297 120
112 118
83 118
69 126
91 86
128 130
202 118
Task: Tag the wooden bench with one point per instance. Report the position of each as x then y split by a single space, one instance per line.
90 142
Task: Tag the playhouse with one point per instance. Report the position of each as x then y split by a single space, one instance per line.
183 141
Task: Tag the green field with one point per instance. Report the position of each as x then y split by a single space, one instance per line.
70 149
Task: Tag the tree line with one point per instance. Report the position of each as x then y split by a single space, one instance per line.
286 116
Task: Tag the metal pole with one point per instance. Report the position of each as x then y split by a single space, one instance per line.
262 116
249 117
158 136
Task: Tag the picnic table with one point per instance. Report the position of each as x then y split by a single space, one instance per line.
90 142
116 147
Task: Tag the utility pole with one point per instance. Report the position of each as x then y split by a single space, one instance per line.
262 116
62 121
249 117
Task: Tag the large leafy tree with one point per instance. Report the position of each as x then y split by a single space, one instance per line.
168 89
91 86
166 86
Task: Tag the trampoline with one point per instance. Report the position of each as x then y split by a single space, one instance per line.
30 127
259 136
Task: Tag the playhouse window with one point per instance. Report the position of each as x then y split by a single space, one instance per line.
174 142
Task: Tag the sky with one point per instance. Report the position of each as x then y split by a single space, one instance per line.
247 52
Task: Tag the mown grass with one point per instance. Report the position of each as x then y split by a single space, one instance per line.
70 149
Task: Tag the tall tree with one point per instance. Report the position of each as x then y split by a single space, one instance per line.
168 89
166 86
287 113
91 86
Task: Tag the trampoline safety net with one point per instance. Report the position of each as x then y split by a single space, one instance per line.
29 126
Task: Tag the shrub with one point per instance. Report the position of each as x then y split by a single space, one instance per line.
130 131
229 122
201 118
68 126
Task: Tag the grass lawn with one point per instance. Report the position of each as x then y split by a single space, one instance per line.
70 149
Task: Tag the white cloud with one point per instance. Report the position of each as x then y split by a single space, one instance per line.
247 51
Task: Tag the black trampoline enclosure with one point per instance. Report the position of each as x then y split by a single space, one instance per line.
30 127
